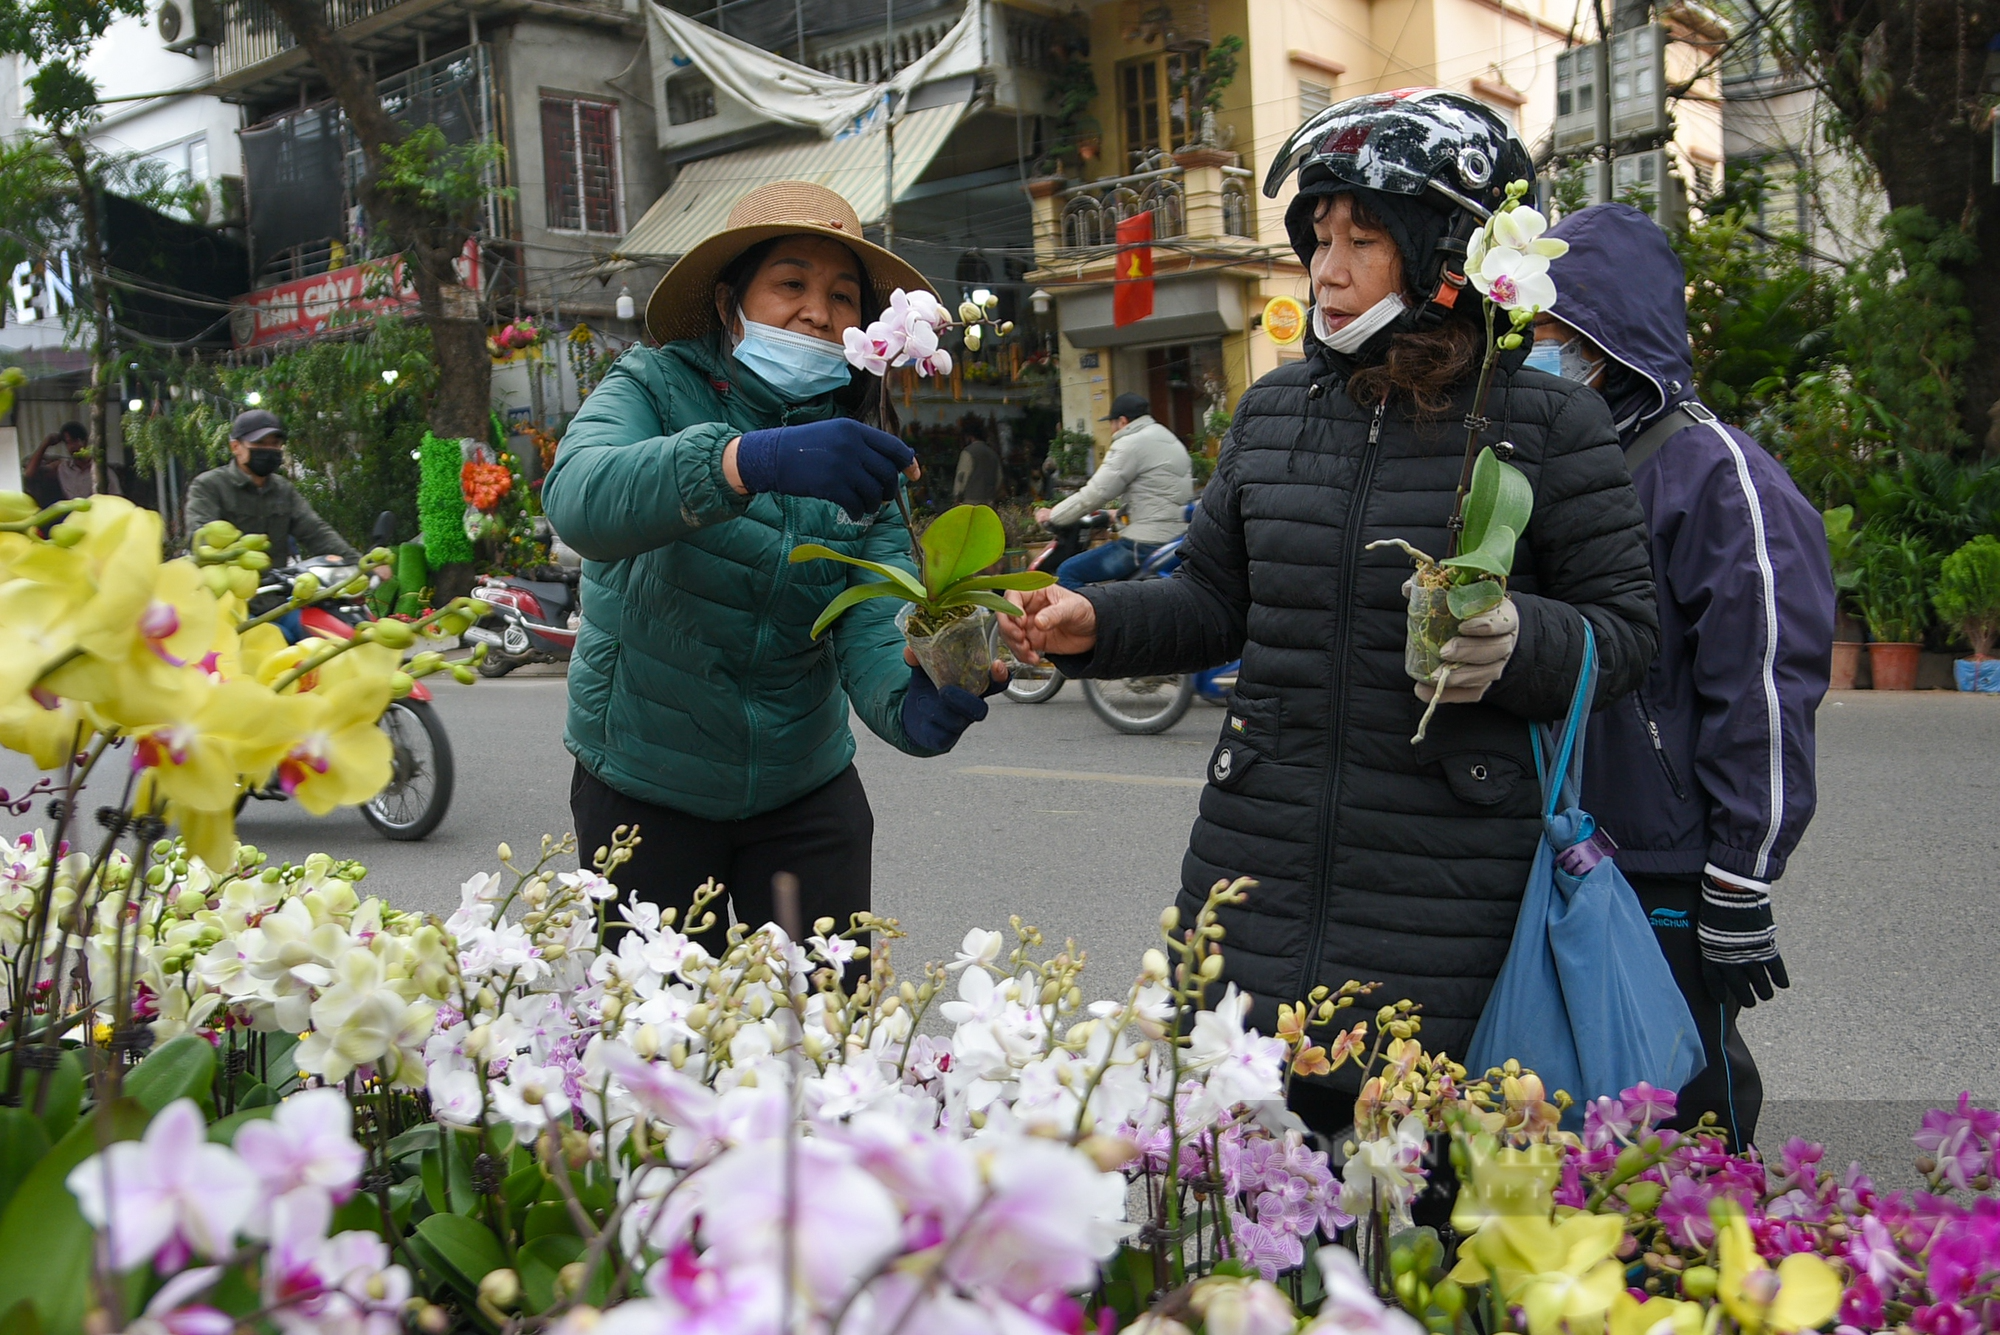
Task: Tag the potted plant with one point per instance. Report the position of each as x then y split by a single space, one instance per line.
949 621
1894 593
1842 540
1507 261
1968 596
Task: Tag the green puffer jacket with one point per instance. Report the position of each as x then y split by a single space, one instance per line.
696 684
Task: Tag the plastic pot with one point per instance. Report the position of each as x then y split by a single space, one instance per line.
1894 665
1846 665
959 654
1431 627
1978 674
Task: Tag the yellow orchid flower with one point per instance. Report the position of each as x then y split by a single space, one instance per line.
1803 1293
1655 1316
1561 1274
240 730
1506 1182
264 655
341 757
120 546
46 733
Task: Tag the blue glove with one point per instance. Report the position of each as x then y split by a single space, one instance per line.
934 719
837 460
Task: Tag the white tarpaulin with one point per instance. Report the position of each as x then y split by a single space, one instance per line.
791 94
699 200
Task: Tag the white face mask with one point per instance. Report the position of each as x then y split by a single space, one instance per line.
797 365
1350 337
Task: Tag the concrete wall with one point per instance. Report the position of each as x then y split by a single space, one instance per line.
534 58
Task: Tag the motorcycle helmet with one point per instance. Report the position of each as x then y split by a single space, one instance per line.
1441 162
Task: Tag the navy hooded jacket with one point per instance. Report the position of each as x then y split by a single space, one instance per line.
1710 762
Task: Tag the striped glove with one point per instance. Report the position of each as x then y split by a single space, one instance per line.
1739 941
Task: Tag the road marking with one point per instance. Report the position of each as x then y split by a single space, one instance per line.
1086 776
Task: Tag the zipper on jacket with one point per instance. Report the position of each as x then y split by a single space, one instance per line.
1337 692
1659 746
748 684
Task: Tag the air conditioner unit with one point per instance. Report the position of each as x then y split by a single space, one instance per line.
1638 83
1645 181
1579 90
187 24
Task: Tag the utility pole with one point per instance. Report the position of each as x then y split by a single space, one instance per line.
889 127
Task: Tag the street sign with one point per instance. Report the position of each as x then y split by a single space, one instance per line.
1284 320
1579 85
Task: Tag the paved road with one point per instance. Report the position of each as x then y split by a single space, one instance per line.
1886 917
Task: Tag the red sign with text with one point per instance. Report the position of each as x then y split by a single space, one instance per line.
305 307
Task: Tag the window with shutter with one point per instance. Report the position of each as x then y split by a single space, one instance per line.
580 164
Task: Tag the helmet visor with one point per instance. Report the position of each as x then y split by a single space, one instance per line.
1361 146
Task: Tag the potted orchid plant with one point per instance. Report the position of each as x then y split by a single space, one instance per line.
949 622
1507 261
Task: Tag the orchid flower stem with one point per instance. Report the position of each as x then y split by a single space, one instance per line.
1475 422
916 544
42 519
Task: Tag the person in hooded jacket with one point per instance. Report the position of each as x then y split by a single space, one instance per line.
1704 775
1375 859
702 710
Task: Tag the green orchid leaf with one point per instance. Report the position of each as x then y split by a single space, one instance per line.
466 1245
179 1068
538 1263
1469 600
812 551
979 598
1495 556
962 541
859 593
1500 496
1020 582
23 1142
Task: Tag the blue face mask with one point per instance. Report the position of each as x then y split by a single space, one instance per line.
1545 356
798 366
1566 359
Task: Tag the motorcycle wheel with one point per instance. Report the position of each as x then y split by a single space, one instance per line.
1034 685
497 664
419 791
1141 705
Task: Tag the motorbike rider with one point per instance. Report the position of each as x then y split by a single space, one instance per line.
1148 466
1375 859
251 493
1705 776
701 708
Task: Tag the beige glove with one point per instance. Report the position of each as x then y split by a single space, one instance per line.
1478 654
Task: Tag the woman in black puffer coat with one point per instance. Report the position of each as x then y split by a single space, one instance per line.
1377 860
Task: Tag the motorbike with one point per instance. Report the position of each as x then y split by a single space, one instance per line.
421 775
532 621
1138 705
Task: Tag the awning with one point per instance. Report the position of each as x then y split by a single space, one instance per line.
698 202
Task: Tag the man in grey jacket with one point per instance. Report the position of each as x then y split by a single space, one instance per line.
252 494
1148 466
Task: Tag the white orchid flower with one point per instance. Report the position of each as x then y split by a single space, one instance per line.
1513 279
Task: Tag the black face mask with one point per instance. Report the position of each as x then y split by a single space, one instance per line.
265 462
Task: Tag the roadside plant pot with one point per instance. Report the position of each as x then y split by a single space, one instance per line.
1894 665
959 653
1847 665
1977 674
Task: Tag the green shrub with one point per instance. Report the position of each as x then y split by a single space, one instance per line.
1894 589
1968 592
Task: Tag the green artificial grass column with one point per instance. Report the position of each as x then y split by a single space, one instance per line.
441 503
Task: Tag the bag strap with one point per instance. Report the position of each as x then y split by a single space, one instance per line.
1683 416
1563 780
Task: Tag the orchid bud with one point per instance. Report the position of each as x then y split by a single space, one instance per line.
1699 1281
461 674
500 1288
646 1042
1153 966
433 1320
972 338
394 634
569 1279
968 311
305 588
1211 968
611 1010
218 533
1006 328
1170 918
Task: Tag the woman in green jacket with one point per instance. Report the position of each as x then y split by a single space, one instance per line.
701 710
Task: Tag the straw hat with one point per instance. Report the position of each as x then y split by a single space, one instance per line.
683 305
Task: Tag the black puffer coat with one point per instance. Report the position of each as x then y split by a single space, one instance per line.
1377 860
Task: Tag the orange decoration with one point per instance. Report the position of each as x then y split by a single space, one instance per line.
485 485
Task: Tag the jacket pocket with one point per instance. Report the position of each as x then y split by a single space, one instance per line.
1249 734
1482 778
1485 757
1659 745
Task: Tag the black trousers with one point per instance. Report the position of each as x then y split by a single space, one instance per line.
825 838
1729 1087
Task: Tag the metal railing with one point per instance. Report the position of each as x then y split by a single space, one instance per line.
1239 217
1091 213
252 33
874 59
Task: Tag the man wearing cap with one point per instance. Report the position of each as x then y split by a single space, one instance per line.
1148 466
252 494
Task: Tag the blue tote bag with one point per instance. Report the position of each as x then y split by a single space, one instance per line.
1585 999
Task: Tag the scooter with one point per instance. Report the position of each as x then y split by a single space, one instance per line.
421 773
1138 705
532 621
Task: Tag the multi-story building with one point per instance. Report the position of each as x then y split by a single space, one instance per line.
560 85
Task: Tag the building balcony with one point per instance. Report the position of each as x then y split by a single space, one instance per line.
258 60
1202 199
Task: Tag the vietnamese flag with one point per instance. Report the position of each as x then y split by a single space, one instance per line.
1132 297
